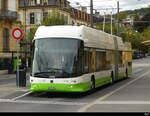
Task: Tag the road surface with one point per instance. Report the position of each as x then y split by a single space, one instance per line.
129 95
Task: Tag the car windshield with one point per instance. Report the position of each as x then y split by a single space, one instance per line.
55 57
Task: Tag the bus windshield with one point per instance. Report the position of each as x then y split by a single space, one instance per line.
56 58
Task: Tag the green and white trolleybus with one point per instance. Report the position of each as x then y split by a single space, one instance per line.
77 59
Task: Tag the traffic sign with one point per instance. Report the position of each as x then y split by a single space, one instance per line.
17 33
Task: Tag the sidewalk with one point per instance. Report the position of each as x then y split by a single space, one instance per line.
8 84
2 72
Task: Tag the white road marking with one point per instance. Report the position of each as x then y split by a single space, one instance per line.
23 90
83 109
125 102
40 102
141 65
13 99
138 70
76 103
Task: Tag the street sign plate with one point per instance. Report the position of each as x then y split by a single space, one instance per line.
17 33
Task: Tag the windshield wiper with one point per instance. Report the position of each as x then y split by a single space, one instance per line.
42 74
54 70
52 73
62 71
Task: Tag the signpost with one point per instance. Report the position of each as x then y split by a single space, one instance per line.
17 34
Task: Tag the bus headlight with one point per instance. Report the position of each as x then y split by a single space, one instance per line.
31 81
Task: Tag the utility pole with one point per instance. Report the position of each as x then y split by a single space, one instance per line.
111 25
104 21
91 14
118 18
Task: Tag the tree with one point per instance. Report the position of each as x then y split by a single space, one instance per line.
107 28
122 15
54 19
143 23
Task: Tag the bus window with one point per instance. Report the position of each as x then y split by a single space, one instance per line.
93 60
78 67
98 61
101 63
103 55
80 58
120 59
86 60
90 60
59 60
108 59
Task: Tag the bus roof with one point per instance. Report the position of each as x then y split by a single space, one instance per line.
58 31
91 37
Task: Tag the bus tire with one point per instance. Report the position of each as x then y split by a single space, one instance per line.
126 73
92 84
112 78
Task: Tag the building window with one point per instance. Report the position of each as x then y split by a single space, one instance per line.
51 2
38 2
5 39
21 3
45 15
32 18
32 2
45 2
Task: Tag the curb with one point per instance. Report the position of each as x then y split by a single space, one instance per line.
3 72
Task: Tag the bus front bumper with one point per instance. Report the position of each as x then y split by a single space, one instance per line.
40 87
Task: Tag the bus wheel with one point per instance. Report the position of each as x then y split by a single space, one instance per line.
92 84
112 78
126 73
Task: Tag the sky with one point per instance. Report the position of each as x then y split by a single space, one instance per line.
103 4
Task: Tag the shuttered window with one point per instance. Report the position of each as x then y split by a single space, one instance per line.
5 39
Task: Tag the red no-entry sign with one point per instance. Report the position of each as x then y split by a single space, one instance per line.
17 33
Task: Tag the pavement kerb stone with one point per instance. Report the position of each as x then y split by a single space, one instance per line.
3 72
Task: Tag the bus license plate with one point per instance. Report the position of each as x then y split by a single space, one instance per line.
51 88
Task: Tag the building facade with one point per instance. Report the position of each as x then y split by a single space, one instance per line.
8 21
32 12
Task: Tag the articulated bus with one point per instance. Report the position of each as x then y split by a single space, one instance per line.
77 59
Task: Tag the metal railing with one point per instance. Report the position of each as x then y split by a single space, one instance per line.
36 5
7 14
